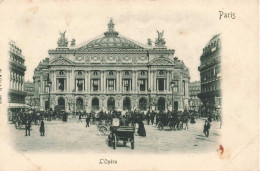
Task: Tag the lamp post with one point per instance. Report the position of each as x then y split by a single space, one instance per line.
49 98
172 85
149 95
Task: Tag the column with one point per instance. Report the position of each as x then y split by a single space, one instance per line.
167 81
154 81
89 83
164 82
69 80
41 85
102 81
117 81
120 81
136 80
72 80
149 78
187 92
132 85
86 83
105 81
54 82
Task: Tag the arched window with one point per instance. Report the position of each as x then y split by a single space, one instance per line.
95 104
142 104
127 104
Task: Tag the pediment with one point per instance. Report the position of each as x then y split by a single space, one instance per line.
61 61
162 61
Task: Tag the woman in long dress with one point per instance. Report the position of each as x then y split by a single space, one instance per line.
141 129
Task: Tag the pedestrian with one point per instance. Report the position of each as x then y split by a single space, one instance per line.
42 129
141 130
80 117
206 128
27 127
87 120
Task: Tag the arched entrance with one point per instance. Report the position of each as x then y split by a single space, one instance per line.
127 104
161 104
61 103
110 103
79 104
95 104
142 104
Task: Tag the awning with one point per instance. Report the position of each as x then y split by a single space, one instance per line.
18 105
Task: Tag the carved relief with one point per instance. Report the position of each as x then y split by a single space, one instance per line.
61 62
161 62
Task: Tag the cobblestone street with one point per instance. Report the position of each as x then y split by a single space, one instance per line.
74 136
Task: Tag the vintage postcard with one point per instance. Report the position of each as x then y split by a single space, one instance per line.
129 85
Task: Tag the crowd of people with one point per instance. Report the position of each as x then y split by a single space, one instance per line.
175 120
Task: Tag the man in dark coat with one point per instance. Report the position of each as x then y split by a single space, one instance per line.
87 120
206 128
27 127
42 129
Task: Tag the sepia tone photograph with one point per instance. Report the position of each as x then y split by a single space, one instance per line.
106 83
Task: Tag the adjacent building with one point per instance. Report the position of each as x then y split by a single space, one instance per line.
16 94
194 101
112 72
210 76
29 89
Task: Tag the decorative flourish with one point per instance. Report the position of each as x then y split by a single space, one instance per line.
160 40
62 42
161 62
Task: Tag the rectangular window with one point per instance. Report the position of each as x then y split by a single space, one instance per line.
61 84
161 84
142 84
127 84
95 84
80 84
111 84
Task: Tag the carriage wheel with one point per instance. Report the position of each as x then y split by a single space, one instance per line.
160 126
114 144
102 130
171 125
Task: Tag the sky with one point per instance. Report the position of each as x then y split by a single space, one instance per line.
35 26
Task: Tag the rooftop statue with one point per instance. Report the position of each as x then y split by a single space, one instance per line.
149 42
111 32
160 40
111 25
73 42
62 42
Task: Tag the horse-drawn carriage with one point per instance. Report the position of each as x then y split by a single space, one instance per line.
120 133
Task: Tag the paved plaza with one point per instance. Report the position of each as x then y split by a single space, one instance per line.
74 136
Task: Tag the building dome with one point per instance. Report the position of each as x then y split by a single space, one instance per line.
112 42
112 39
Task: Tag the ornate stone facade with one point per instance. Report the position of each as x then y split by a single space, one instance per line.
194 101
210 76
112 72
17 69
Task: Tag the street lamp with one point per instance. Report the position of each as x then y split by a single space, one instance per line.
149 93
49 85
173 88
